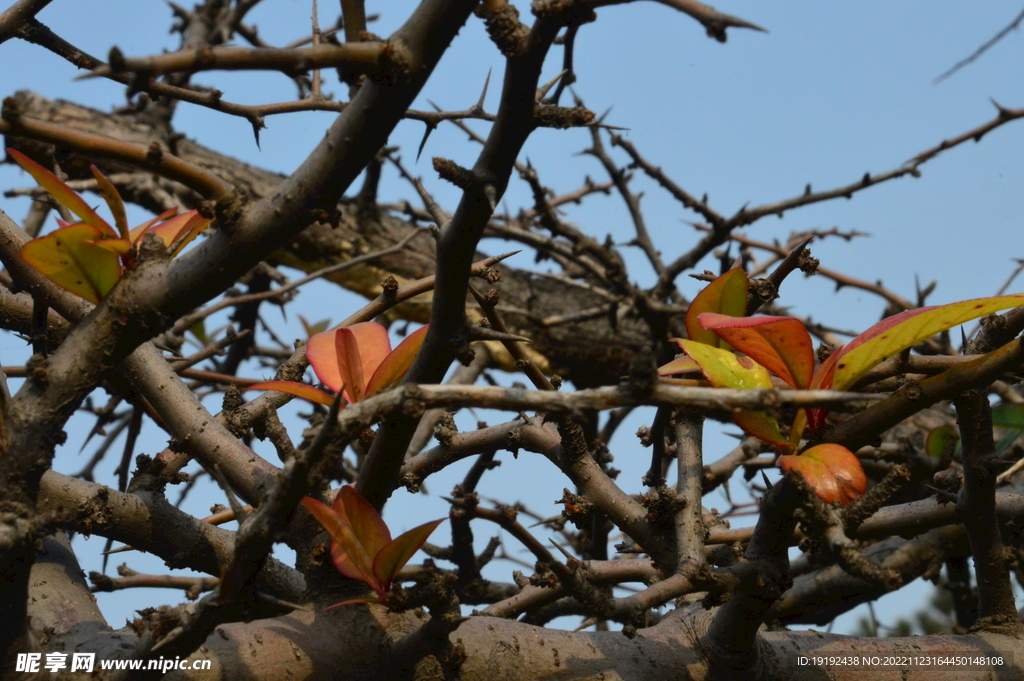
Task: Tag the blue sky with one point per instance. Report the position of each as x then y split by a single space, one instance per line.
834 90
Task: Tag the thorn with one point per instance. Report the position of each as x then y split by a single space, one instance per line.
423 142
480 102
119 549
546 87
480 333
267 598
491 192
256 125
588 623
1003 111
767 482
568 556
503 256
963 340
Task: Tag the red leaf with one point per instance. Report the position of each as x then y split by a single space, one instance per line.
397 553
64 194
831 470
726 295
780 344
368 526
306 392
350 557
822 380
397 363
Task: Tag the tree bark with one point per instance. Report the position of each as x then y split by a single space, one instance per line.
591 352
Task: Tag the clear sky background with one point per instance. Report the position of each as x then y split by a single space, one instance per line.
833 91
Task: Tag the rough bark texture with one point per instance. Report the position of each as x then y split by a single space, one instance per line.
592 352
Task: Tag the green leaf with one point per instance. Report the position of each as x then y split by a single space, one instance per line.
1008 415
726 295
306 392
71 258
314 328
941 440
199 331
899 332
780 344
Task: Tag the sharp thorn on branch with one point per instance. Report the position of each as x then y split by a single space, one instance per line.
568 556
543 90
423 142
480 102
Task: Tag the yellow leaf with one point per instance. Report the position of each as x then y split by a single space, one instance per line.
899 332
73 259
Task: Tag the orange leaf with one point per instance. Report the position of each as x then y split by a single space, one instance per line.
321 351
180 230
397 363
350 364
726 295
831 470
899 332
118 246
109 193
397 553
71 259
780 344
372 598
350 557
64 194
306 392
367 525
139 230
679 365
